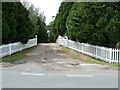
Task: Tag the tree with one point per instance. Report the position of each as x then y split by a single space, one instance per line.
42 32
94 23
38 20
5 31
58 26
16 23
90 22
9 22
62 17
25 27
53 32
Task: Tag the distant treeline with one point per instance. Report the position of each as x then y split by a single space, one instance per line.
21 22
96 23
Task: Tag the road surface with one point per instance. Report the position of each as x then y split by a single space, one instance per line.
49 67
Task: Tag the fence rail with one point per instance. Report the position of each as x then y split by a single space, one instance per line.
102 53
11 48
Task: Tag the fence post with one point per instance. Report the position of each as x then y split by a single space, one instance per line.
110 55
36 40
74 45
106 55
82 47
0 53
117 57
21 46
10 49
67 42
96 52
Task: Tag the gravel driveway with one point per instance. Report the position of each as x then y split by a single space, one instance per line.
48 57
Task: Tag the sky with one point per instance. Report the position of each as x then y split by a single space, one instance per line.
49 7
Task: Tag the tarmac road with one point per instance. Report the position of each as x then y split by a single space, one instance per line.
60 80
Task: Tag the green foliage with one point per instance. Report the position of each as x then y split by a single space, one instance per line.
58 27
15 22
33 15
90 22
8 22
62 17
5 31
20 24
38 21
25 27
42 32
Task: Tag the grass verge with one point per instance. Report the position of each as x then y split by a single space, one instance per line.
77 55
18 55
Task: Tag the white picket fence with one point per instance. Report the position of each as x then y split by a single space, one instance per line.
11 48
102 53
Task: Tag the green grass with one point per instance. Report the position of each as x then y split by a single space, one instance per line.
18 55
102 62
77 55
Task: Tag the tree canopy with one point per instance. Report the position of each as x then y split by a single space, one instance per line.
58 26
96 23
19 22
16 23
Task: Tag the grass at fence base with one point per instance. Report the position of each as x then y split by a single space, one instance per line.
18 55
77 55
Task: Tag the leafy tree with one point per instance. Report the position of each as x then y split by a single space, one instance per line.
62 17
20 24
58 26
16 23
90 22
42 32
33 15
113 29
9 22
25 27
78 24
87 22
38 21
5 31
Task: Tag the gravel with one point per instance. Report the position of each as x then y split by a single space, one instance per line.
49 57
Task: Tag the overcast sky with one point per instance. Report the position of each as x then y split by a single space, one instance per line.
50 7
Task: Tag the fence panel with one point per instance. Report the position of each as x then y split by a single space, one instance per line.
102 53
115 56
11 48
4 50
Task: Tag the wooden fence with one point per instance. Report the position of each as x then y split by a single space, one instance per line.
102 53
11 48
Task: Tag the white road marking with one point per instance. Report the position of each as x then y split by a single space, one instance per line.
34 74
80 75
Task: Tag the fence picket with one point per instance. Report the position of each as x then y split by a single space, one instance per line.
11 48
106 54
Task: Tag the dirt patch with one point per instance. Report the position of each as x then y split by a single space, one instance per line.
50 57
18 62
74 64
59 51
